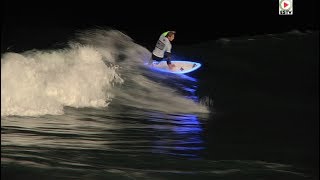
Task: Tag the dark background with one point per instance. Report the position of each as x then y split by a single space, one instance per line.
194 21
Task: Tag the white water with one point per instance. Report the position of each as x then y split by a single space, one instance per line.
98 67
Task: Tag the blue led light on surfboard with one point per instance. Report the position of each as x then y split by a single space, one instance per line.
182 67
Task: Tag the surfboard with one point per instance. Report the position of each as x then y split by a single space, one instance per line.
181 67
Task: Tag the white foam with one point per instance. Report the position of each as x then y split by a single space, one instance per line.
98 67
42 82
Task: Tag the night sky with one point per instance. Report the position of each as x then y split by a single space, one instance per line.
143 21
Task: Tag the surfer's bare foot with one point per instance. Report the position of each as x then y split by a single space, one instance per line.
171 66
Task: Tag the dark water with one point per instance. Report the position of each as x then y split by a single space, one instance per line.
262 120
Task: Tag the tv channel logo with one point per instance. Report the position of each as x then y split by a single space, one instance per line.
285 7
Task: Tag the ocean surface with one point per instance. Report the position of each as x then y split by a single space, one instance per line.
88 108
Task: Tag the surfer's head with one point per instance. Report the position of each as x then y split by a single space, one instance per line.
170 35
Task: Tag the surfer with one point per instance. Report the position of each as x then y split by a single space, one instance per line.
163 47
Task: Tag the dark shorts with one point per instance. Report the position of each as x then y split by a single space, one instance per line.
156 58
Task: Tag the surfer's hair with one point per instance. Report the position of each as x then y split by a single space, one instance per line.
170 33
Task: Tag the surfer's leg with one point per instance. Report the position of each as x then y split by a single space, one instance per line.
170 65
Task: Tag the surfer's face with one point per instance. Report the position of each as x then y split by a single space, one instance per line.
171 38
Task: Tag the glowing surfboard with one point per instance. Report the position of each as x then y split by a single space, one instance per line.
181 67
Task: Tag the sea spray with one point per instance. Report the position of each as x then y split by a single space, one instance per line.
43 82
97 68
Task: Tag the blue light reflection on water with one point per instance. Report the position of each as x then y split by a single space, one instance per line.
179 134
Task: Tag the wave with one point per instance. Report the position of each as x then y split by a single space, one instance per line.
98 67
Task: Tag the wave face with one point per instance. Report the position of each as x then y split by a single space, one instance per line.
98 67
